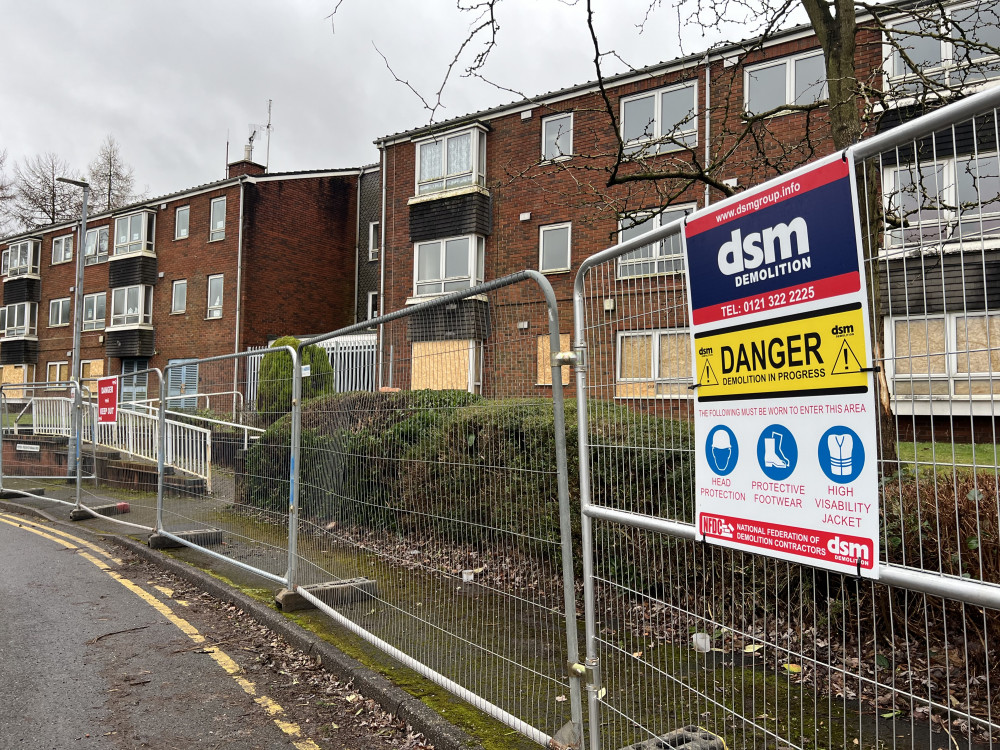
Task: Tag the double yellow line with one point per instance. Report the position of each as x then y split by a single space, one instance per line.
101 558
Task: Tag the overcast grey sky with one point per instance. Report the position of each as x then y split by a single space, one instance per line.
170 80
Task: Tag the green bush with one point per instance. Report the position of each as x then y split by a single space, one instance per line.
454 466
274 389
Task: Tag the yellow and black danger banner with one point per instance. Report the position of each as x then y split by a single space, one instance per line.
807 354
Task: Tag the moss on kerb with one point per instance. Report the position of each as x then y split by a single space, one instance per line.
490 733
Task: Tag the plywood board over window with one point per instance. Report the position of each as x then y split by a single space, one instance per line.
15 375
441 365
545 359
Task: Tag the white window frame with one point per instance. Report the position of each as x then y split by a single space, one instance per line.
144 309
131 246
93 323
789 62
59 311
948 65
476 255
561 129
29 328
660 142
177 223
85 375
214 312
943 228
659 255
951 357
372 305
477 172
655 377
27 254
374 239
93 258
62 249
48 375
174 309
217 231
568 226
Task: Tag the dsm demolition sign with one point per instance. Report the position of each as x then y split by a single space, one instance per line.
784 398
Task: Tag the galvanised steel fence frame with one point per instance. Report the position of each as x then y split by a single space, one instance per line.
781 654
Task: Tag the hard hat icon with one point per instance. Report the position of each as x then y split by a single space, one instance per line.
721 441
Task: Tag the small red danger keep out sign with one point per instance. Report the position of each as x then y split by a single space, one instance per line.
107 399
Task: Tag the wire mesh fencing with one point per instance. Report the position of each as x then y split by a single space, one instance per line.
433 513
761 652
227 485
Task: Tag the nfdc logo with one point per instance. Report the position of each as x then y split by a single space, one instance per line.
838 330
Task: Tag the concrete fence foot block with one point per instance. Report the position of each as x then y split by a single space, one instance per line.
331 592
686 738
14 494
111 509
197 537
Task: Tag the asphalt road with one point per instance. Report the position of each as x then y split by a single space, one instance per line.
91 659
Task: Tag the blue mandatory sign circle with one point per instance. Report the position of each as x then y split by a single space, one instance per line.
777 452
841 454
722 450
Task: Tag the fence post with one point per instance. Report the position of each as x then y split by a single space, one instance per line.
3 429
293 479
77 435
208 461
161 449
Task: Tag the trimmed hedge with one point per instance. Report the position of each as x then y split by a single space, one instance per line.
274 390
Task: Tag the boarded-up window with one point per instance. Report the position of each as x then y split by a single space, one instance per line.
654 363
919 347
15 375
545 359
442 365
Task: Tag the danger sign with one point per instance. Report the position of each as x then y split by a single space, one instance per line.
785 461
808 354
107 400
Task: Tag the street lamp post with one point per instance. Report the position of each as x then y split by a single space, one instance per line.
74 453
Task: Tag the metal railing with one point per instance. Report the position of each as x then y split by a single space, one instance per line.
757 650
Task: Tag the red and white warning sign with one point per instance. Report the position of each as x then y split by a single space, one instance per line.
107 400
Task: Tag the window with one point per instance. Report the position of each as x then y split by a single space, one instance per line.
182 218
96 248
447 365
21 319
182 380
661 120
448 265
654 363
544 358
451 161
94 311
133 387
956 354
22 258
951 50
937 202
131 305
792 80
557 137
59 312
57 372
91 369
374 240
217 222
665 256
214 297
178 296
553 247
62 249
372 305
134 233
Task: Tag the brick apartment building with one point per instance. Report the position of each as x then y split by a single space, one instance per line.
206 271
519 186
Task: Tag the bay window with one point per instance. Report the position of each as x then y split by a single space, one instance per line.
131 305
134 233
20 319
451 161
448 265
22 258
94 311
96 246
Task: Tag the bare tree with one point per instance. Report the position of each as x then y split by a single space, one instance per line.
6 196
112 179
40 200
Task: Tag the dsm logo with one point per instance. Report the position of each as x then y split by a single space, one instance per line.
842 330
705 351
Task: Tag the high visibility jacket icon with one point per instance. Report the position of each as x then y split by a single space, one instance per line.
841 450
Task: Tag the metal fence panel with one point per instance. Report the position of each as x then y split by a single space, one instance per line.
434 509
765 653
228 455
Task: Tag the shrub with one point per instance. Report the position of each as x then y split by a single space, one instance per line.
274 387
